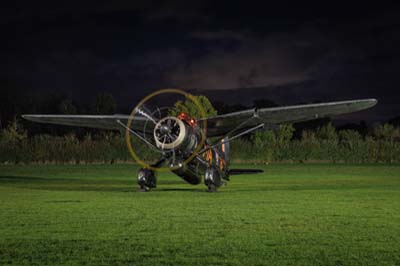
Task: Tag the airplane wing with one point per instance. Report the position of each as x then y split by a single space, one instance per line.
218 125
222 124
111 122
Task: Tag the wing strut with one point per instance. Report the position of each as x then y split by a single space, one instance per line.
238 127
232 138
138 135
221 140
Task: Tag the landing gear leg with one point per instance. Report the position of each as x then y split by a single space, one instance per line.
146 180
212 179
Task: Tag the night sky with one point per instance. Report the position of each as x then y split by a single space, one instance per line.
231 51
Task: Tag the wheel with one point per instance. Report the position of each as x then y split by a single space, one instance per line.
211 188
144 189
146 180
212 179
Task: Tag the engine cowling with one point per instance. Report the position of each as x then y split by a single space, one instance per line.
171 133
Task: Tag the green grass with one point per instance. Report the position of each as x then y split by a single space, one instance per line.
290 215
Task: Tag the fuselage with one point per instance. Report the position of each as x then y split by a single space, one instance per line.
181 139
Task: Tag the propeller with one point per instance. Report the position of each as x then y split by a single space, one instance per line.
169 133
144 111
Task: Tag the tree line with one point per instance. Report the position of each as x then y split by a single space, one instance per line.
325 144
312 141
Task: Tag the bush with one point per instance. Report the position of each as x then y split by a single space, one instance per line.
325 145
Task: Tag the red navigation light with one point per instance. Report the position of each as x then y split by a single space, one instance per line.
185 117
182 116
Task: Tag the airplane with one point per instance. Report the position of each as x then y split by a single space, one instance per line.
197 149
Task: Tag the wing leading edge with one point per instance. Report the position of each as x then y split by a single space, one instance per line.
222 124
92 121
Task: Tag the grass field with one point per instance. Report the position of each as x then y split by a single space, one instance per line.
290 215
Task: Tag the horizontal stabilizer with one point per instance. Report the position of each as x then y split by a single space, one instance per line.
245 171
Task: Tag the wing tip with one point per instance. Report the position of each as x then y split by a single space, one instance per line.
28 117
374 101
370 102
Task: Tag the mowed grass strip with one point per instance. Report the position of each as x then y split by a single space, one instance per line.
290 215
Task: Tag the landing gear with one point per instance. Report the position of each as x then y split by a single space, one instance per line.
211 188
212 179
146 179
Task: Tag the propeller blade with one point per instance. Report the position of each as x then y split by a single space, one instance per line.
145 112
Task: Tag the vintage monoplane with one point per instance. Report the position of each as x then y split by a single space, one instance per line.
197 148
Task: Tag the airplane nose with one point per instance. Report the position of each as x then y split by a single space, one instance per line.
169 133
164 129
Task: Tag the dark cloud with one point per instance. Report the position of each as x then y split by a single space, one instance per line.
252 61
296 53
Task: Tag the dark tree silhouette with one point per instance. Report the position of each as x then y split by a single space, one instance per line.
264 103
105 104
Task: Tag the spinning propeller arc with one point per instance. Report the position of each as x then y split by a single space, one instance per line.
177 139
